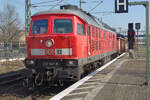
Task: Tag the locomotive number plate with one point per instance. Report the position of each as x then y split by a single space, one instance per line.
49 52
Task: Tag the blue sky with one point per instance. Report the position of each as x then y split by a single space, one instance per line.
135 14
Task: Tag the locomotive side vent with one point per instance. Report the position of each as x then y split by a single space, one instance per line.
74 7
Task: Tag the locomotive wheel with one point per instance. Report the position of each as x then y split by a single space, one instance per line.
94 66
39 79
83 75
28 83
25 83
60 83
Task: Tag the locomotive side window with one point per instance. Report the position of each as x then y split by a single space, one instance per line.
39 26
88 30
80 29
99 33
114 36
99 44
62 26
109 35
104 35
93 30
96 32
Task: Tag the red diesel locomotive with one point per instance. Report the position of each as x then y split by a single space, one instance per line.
66 44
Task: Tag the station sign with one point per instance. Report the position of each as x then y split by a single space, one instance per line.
121 6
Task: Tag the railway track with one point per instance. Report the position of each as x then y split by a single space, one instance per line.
11 77
78 90
11 84
45 92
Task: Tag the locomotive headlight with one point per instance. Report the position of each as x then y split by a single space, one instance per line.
72 62
49 43
29 62
32 62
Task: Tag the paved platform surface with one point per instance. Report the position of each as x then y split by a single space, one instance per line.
126 83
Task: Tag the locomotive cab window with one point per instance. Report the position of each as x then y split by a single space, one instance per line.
39 26
62 26
80 29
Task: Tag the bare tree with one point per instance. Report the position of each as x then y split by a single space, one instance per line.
10 24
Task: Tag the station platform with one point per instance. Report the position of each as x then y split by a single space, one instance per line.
125 81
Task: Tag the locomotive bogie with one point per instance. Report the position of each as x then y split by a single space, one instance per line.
62 71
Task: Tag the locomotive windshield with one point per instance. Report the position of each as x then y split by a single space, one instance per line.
62 26
39 26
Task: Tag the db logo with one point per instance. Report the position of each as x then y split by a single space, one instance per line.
49 52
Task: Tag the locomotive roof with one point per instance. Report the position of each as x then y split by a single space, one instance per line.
88 18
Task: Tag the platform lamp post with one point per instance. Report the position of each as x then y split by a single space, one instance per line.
27 16
146 5
80 3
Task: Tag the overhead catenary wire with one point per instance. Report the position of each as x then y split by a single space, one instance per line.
57 4
103 12
45 2
95 6
35 6
40 4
